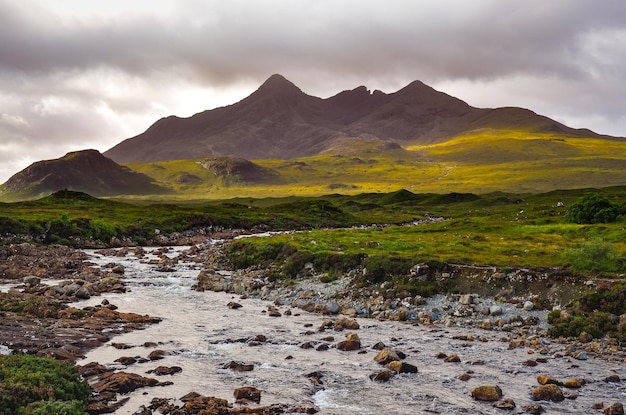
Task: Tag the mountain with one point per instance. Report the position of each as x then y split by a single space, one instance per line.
279 121
86 171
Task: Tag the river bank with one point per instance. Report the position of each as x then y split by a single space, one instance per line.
298 341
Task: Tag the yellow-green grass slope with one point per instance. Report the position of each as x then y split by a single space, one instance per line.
483 161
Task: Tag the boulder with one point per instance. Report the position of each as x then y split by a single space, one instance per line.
122 382
402 367
547 380
615 409
382 376
247 393
352 342
574 383
487 393
386 356
549 392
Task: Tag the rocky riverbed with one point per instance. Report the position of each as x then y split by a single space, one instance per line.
248 345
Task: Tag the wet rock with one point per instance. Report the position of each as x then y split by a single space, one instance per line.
352 342
273 312
122 382
530 363
464 377
615 409
239 366
386 356
508 404
402 367
452 359
549 392
157 354
547 380
206 405
92 369
233 305
126 360
164 370
574 383
534 409
487 393
247 393
612 378
345 324
383 376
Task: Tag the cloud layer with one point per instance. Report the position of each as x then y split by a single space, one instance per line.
76 74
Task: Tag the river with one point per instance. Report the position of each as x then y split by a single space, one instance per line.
201 334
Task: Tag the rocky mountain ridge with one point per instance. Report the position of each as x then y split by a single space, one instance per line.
280 121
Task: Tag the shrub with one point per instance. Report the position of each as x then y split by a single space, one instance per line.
42 386
593 255
593 208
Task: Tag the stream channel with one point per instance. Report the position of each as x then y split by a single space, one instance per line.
201 334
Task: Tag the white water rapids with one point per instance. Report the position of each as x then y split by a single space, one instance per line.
201 334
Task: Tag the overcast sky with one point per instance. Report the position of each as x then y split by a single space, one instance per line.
77 74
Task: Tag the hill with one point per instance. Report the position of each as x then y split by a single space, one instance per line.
279 121
86 171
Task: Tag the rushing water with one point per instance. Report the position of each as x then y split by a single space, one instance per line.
201 334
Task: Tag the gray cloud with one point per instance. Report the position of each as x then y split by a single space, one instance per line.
94 73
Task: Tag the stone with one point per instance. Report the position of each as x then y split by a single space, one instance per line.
487 393
126 360
466 299
402 367
332 308
382 376
508 404
164 370
547 380
206 405
528 305
247 393
345 323
122 382
615 409
534 409
31 281
495 310
549 392
156 355
239 366
585 337
452 359
464 377
612 378
574 383
386 356
234 305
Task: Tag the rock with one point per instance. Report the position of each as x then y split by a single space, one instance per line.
403 314
352 342
530 363
164 370
534 409
549 392
239 366
574 383
528 305
464 377
156 355
547 380
585 337
233 305
402 367
126 360
332 308
386 356
495 310
206 405
247 393
466 299
379 346
452 359
612 378
508 404
382 376
487 393
122 382
485 324
31 281
273 312
345 323
615 409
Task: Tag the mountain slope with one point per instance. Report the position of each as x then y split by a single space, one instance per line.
279 121
86 171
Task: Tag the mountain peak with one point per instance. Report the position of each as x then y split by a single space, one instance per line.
278 85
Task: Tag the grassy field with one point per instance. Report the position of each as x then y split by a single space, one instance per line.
484 161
